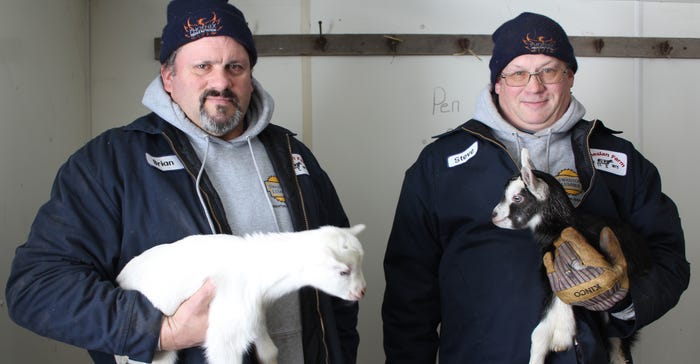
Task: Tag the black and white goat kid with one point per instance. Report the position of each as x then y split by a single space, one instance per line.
537 201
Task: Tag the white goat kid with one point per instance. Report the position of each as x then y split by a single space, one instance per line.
249 273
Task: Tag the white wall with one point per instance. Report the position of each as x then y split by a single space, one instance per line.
372 115
366 118
44 105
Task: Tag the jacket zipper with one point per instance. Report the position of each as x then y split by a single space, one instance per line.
306 226
588 150
194 176
296 179
494 141
590 161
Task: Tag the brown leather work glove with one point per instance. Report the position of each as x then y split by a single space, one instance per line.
581 276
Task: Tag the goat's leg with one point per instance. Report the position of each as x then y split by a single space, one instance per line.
224 343
160 357
266 349
555 332
564 330
165 357
223 351
617 356
540 342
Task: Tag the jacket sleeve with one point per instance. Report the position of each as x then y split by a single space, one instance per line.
655 216
411 307
61 283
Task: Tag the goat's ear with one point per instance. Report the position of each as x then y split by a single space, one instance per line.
539 188
356 229
525 160
535 185
526 168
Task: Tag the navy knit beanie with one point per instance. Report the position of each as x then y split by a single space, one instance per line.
189 20
529 33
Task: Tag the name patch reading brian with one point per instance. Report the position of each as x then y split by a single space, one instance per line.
165 163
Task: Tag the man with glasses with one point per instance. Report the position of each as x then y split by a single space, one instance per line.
459 286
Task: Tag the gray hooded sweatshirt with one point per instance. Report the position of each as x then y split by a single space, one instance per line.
245 180
550 149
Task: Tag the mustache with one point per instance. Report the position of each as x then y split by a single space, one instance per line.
227 93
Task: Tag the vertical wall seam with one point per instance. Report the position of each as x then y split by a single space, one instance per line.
306 87
639 79
88 75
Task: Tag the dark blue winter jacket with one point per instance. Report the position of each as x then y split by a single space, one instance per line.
108 204
459 286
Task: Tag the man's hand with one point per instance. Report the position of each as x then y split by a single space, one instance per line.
581 276
188 326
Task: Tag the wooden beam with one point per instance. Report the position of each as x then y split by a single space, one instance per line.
280 45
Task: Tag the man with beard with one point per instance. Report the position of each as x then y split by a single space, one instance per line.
206 160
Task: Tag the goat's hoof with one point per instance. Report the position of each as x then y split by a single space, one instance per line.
560 347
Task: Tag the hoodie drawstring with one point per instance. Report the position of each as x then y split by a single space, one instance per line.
516 137
262 184
519 149
199 192
549 138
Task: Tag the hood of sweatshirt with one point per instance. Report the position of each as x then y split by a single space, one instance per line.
235 167
257 117
550 148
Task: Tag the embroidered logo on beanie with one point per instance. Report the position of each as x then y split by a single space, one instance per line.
202 27
540 44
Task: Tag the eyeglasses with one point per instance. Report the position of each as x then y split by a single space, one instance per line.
545 76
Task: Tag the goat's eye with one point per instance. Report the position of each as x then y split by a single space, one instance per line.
345 272
517 198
